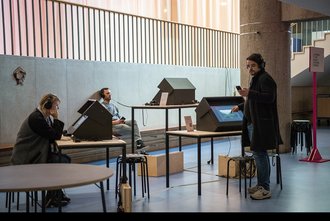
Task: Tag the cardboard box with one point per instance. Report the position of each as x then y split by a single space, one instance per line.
157 164
222 166
233 167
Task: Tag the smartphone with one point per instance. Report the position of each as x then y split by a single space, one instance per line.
238 88
122 118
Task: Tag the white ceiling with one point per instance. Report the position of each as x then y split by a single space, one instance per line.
320 6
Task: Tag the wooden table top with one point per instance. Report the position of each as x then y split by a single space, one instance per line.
199 133
173 106
52 176
68 142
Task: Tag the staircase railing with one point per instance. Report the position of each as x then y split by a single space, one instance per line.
306 32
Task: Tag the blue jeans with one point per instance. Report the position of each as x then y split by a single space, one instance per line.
263 165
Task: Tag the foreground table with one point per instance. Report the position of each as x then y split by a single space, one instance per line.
43 177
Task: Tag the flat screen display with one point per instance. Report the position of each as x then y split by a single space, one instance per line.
224 114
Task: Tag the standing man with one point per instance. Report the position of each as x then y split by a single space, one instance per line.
119 124
260 128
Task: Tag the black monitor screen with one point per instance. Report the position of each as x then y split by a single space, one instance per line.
224 114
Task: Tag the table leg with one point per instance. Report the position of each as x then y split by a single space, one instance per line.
103 197
9 201
107 163
43 201
180 143
167 150
27 202
199 170
132 133
167 153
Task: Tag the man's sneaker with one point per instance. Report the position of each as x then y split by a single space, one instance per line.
139 144
252 190
261 194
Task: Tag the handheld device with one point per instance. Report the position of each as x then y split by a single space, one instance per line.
122 118
238 87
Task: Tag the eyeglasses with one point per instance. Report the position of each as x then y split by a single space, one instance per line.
251 66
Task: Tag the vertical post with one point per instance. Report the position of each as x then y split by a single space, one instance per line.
316 64
314 110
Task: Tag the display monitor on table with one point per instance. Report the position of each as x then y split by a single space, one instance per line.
214 114
224 113
95 122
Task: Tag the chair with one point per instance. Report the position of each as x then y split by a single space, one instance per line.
243 161
131 160
11 195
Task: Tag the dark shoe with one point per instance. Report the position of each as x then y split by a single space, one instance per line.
53 204
139 144
65 197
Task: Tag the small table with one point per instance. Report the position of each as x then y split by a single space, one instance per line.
194 134
68 143
52 176
159 107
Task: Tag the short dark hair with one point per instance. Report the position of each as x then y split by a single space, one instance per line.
258 59
101 92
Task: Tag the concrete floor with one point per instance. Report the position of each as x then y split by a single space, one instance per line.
305 186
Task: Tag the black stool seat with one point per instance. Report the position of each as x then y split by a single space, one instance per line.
243 161
131 160
301 129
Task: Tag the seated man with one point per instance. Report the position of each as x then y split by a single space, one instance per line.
119 124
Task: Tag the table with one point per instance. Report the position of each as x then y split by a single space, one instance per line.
160 107
51 176
198 135
68 143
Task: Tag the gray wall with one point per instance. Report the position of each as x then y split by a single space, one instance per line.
76 81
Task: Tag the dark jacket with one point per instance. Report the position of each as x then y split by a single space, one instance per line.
262 100
34 139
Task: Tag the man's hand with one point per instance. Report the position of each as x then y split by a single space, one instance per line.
235 109
244 92
119 121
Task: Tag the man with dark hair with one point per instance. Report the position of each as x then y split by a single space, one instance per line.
260 128
120 125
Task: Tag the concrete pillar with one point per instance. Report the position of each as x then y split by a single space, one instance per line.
262 31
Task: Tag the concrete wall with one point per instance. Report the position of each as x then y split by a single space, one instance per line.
76 81
291 13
